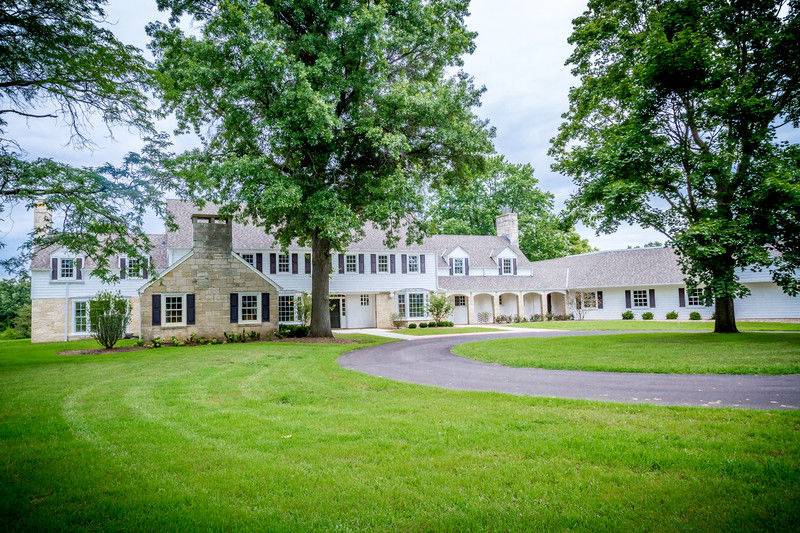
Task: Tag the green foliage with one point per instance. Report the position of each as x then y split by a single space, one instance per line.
674 126
15 301
694 315
672 315
423 324
471 209
647 315
412 326
108 318
439 307
302 303
293 331
319 117
627 315
60 60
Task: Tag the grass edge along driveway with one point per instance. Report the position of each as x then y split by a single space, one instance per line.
652 325
423 332
278 436
679 353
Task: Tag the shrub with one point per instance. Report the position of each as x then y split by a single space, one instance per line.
647 315
627 315
439 306
483 317
302 303
435 324
537 318
694 315
397 320
108 318
156 342
10 334
289 331
672 315
423 324
412 326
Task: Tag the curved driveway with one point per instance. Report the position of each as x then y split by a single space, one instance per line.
429 361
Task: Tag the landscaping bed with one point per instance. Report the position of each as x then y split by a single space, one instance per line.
445 330
654 325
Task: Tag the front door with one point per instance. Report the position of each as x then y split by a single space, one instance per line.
336 315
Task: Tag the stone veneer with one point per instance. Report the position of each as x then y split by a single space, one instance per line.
211 272
384 308
54 320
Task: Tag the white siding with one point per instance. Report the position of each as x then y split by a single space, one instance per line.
767 300
43 287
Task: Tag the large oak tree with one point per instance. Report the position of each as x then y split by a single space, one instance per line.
318 116
675 125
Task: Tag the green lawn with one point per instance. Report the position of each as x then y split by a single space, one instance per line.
278 436
654 325
444 331
691 353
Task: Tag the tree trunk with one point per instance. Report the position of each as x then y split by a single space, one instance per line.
725 318
320 288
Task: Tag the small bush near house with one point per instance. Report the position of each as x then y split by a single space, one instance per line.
108 318
672 315
10 334
156 342
537 318
434 324
483 317
627 315
289 331
647 315
412 326
694 315
397 320
439 307
423 324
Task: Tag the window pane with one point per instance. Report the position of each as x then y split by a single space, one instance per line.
283 263
285 308
696 297
413 263
248 308
249 259
364 300
458 266
173 309
460 301
133 268
416 305
67 268
589 300
383 263
350 263
401 305
506 266
81 317
640 298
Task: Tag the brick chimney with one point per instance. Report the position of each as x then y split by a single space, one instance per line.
507 225
42 219
212 235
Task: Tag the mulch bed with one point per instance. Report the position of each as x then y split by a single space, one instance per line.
102 351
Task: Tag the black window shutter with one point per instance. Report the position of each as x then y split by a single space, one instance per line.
360 263
295 264
652 297
156 305
682 297
422 263
273 264
451 266
403 263
54 268
373 263
190 309
260 262
392 267
466 266
308 263
628 299
599 299
234 308
500 266
123 267
341 263
514 266
264 307
79 268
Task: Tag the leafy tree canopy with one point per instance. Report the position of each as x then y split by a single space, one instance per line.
14 294
317 117
471 208
674 126
58 62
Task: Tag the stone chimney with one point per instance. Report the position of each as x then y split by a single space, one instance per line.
507 226
42 219
213 235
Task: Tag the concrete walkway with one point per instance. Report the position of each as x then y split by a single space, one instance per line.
429 361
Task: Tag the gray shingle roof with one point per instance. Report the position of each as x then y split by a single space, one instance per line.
494 284
41 256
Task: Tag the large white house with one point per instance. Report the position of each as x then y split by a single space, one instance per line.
371 285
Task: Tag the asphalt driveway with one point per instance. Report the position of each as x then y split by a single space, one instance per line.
429 361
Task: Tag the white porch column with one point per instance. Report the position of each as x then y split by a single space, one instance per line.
520 304
471 318
495 306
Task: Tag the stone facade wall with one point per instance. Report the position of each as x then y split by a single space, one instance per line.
384 308
49 319
507 225
211 273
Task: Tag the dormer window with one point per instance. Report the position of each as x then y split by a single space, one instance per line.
250 259
458 266
413 264
506 265
67 269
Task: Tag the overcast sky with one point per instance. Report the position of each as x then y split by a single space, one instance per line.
521 49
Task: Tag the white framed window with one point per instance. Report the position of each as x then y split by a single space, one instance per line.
588 300
174 309
365 300
66 268
350 264
286 309
640 298
413 264
507 265
695 297
458 266
416 305
80 317
249 307
249 258
460 300
401 305
383 263
283 263
134 268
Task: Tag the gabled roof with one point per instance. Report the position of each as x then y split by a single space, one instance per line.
481 249
41 256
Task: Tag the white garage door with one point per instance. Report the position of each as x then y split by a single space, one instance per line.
361 311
